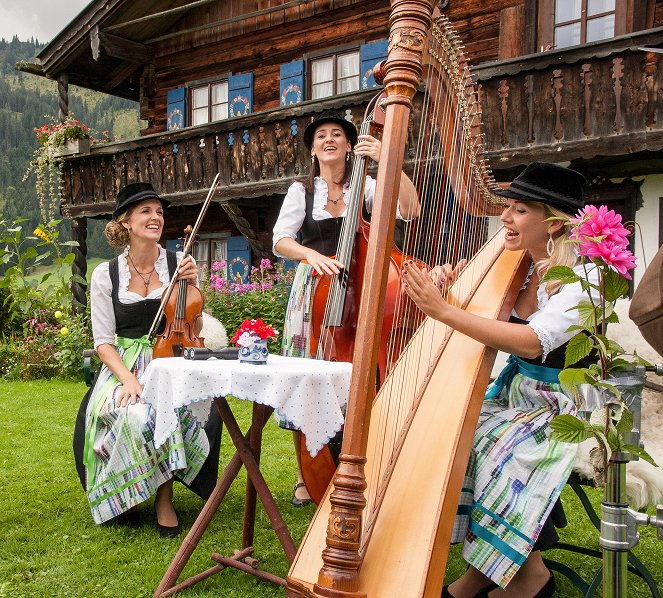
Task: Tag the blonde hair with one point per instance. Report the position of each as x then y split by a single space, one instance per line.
115 233
564 253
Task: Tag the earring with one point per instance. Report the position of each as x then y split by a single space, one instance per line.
347 157
312 158
550 246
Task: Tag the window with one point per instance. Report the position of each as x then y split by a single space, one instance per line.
208 102
335 74
564 23
210 248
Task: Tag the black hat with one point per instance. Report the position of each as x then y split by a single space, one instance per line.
329 116
554 185
134 193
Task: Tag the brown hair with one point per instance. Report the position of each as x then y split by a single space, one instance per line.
315 171
115 233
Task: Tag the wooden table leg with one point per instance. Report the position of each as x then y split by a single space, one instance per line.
248 454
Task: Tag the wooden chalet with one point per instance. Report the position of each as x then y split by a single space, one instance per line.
229 86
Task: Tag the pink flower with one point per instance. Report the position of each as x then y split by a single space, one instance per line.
265 264
613 254
594 223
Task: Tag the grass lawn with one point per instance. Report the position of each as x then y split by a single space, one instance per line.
51 547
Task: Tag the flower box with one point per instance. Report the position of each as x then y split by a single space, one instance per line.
72 147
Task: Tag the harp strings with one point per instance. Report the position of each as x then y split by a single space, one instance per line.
453 183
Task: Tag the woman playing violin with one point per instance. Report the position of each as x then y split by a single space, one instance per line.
119 465
309 224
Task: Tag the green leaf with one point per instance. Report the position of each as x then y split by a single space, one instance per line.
570 378
78 278
615 285
587 315
30 252
568 428
562 273
625 423
639 452
579 346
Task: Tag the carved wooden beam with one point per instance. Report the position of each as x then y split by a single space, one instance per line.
119 47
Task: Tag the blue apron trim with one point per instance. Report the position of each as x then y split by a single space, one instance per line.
495 542
515 365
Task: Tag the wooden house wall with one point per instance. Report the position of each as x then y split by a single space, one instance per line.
200 55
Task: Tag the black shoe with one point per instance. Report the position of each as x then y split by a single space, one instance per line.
128 518
548 590
166 531
299 502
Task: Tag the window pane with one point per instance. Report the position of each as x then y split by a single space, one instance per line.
322 90
347 65
199 116
220 111
220 93
199 97
349 84
567 35
595 7
567 10
322 71
219 251
601 28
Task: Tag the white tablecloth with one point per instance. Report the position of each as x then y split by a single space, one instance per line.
308 392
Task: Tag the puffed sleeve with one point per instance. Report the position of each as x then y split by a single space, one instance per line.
101 306
369 196
555 317
291 217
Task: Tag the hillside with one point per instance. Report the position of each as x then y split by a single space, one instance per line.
28 101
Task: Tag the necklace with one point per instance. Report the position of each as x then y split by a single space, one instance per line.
335 201
146 281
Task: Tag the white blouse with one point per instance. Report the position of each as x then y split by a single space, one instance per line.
552 319
101 288
293 211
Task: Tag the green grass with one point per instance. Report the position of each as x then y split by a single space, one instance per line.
51 547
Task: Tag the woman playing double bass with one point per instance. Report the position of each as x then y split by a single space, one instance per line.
118 463
313 212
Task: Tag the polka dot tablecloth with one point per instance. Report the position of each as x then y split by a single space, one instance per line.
310 393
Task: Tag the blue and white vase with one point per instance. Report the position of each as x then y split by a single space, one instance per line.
255 353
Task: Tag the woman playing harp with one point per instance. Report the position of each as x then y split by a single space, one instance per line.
515 475
314 209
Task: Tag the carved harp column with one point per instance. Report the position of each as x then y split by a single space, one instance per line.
410 22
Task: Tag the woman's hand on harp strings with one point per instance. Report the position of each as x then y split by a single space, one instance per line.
323 264
188 270
444 276
419 286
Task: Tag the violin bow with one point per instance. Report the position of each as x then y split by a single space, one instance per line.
185 252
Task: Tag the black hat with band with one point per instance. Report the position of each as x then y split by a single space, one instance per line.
134 193
554 185
330 116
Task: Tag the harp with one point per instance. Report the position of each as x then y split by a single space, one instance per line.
385 523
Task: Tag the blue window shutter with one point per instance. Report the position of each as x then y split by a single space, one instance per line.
240 95
176 108
370 54
292 83
239 259
174 244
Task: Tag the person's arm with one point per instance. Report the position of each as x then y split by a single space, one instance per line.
295 251
512 338
408 198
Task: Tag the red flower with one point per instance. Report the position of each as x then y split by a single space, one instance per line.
256 328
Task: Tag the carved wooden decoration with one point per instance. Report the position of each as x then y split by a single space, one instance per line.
503 93
261 145
617 74
557 85
651 66
586 79
279 149
529 101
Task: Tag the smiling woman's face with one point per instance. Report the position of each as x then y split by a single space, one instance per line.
145 220
330 143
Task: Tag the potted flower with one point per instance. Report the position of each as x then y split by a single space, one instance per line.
56 140
601 239
251 338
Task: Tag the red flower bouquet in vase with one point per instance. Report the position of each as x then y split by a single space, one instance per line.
251 338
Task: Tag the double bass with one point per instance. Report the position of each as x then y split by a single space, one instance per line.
336 305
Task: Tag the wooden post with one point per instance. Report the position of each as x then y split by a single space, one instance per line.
63 96
410 22
79 266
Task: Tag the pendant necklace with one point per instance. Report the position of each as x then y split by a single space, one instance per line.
146 281
335 201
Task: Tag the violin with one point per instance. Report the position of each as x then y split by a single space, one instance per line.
184 318
182 302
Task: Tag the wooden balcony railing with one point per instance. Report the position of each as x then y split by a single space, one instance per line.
257 155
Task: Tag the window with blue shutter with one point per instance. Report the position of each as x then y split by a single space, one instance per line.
240 95
371 53
175 108
239 259
292 83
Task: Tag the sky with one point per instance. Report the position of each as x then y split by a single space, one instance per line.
41 19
